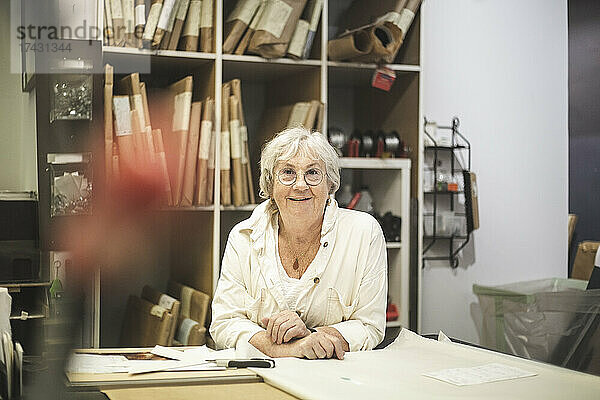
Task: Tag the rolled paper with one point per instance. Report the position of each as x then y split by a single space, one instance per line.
348 47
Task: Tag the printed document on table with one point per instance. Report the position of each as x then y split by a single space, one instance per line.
171 365
481 374
96 364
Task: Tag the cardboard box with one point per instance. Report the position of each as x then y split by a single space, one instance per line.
471 201
584 260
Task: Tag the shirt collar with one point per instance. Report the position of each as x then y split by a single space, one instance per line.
261 220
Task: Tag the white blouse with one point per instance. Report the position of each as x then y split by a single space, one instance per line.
291 287
345 287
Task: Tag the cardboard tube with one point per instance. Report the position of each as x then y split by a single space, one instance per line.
225 149
206 128
237 186
162 163
350 46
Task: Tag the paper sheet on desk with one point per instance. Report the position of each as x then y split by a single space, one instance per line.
96 364
187 360
481 374
170 365
106 364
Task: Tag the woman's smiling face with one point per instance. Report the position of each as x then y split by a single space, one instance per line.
299 199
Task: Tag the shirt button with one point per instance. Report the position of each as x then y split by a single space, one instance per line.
316 280
325 244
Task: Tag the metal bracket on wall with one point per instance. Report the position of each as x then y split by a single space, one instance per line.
458 142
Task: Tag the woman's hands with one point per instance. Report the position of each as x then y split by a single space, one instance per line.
320 345
285 326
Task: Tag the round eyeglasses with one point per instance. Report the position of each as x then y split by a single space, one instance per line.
288 176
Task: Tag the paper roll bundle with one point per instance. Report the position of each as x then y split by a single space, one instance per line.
237 23
191 333
169 303
387 39
348 47
276 27
383 37
375 42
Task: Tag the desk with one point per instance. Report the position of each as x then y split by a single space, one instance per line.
392 373
124 380
182 385
246 391
396 372
87 381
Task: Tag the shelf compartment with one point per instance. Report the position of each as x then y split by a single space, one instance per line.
31 300
345 15
360 107
374 163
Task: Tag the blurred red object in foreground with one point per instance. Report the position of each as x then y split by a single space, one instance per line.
391 314
119 217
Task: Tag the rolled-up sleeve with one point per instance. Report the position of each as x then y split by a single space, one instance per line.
365 328
230 323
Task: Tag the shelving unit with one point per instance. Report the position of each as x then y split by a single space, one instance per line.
455 242
389 185
193 238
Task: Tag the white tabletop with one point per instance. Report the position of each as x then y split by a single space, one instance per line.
396 372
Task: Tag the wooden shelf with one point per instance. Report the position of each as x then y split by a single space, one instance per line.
444 192
448 148
258 69
190 208
25 284
158 53
277 61
247 207
445 237
357 74
11 195
372 67
374 163
164 62
30 316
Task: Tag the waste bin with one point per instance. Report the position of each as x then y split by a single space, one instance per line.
546 320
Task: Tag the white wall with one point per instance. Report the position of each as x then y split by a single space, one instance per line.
17 120
501 67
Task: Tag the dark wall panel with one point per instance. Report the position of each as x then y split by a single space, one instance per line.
584 117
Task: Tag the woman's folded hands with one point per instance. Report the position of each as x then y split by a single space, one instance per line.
320 345
284 327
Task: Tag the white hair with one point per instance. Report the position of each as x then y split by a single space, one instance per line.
290 142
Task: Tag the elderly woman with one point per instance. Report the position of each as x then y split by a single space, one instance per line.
302 277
